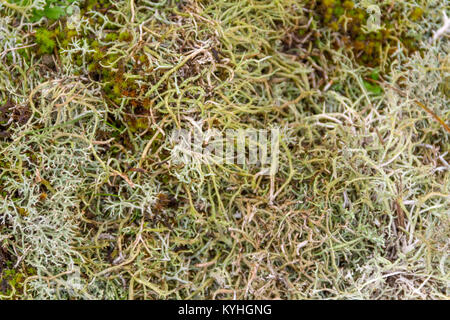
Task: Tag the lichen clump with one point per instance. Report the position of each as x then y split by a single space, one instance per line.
96 204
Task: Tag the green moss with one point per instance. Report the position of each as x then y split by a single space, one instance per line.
110 37
117 89
373 88
98 55
348 5
334 26
338 11
79 61
416 14
348 20
92 67
125 36
45 40
328 3
138 124
375 74
94 44
12 280
65 36
94 4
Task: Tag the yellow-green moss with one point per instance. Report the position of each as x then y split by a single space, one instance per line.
12 281
349 22
416 14
125 36
45 40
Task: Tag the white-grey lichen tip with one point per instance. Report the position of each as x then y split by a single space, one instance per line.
445 28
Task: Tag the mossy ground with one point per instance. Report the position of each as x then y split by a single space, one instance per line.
93 205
